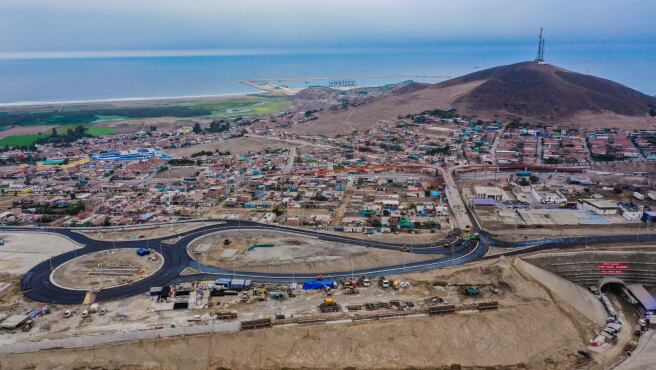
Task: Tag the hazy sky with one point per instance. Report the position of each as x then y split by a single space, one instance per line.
113 25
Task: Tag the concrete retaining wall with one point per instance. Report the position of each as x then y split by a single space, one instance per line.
588 268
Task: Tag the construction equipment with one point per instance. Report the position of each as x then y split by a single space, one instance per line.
471 291
488 306
256 324
630 347
442 309
226 315
328 305
261 294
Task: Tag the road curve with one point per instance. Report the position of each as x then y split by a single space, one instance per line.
36 283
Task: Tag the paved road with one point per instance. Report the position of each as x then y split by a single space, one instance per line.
36 283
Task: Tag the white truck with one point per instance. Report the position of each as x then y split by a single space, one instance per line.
638 196
651 195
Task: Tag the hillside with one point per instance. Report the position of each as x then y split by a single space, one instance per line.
529 91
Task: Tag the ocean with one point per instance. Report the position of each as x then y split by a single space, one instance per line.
65 79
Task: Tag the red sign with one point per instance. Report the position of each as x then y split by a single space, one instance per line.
612 268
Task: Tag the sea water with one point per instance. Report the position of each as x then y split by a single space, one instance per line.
99 78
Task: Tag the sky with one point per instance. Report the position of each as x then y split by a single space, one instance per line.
108 27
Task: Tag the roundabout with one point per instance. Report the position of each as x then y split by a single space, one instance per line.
36 284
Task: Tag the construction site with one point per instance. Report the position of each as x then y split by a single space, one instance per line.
523 316
268 251
525 312
106 269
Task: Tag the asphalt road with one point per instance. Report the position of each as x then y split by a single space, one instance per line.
36 283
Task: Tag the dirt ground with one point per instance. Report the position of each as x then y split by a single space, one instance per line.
26 130
106 269
178 172
146 233
241 145
512 234
22 251
400 238
535 328
291 253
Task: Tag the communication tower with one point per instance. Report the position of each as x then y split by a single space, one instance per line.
539 58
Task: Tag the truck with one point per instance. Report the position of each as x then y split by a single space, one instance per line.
638 196
651 195
226 315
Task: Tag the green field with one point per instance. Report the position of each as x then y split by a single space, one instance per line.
243 107
238 107
89 115
27 140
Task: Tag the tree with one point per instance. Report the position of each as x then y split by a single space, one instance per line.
74 208
219 126
197 129
386 212
54 131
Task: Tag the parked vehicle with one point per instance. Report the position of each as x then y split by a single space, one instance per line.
68 313
85 314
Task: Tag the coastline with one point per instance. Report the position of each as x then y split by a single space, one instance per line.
134 101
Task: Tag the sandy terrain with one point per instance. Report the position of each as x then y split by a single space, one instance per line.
22 251
535 328
291 253
644 356
178 172
106 269
609 119
401 238
239 145
331 123
146 233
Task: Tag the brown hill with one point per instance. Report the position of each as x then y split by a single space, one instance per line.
530 91
548 93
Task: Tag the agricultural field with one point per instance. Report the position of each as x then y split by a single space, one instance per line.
29 139
243 107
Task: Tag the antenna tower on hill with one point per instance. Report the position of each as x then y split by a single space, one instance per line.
539 58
